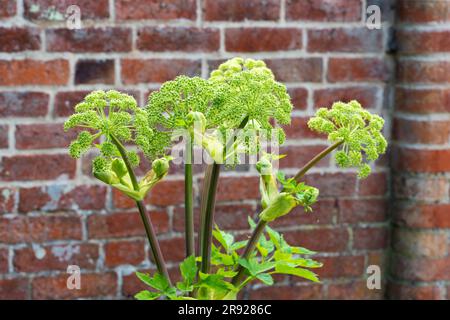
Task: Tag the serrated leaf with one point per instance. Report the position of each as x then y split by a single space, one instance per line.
183 286
239 245
299 272
158 281
301 250
147 295
188 269
251 223
265 278
224 238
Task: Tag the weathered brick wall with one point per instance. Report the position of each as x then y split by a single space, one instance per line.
420 265
54 214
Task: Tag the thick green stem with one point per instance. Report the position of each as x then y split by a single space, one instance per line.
207 206
188 202
251 244
207 214
149 230
316 159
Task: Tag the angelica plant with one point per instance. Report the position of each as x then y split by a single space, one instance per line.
241 94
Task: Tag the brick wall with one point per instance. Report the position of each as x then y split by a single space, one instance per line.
52 213
420 264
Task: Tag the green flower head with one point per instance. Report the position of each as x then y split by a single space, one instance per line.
247 88
173 108
359 131
102 113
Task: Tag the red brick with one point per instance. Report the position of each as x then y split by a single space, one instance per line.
324 212
23 104
341 266
43 136
303 292
36 167
233 217
155 9
66 101
39 228
422 100
413 42
125 224
56 257
320 239
237 188
419 243
299 98
94 71
124 252
7 199
420 188
370 238
417 160
353 290
357 69
423 71
367 96
92 285
19 39
298 156
403 291
422 11
89 9
420 269
262 39
432 132
34 72
7 8
298 129
157 70
4 137
62 197
4 260
422 215
376 184
14 289
362 210
324 10
106 39
173 249
333 184
345 40
178 39
236 10
297 70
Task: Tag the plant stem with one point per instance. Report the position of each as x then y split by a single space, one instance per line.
207 206
149 230
259 229
154 245
207 214
316 159
251 244
188 202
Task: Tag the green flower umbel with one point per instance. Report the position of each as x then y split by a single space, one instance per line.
359 131
247 88
115 117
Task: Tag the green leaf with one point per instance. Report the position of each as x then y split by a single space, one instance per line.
239 245
185 287
301 250
147 295
226 273
224 238
265 278
188 269
158 281
251 223
299 272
